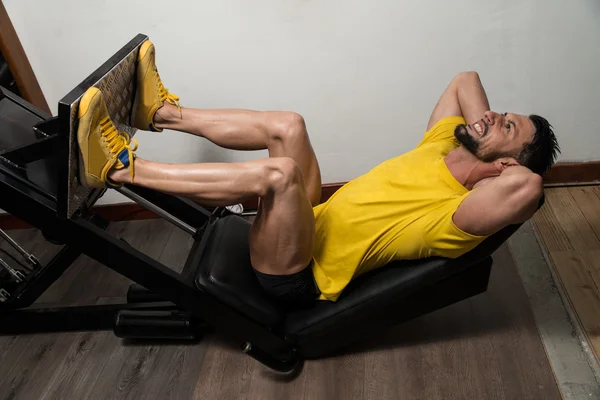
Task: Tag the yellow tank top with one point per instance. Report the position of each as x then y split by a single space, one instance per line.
401 209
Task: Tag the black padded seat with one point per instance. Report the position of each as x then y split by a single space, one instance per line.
225 271
397 292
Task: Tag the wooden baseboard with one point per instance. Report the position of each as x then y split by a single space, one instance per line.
573 173
560 174
8 222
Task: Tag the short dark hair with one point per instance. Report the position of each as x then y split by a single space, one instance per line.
540 154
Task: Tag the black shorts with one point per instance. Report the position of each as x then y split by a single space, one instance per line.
292 291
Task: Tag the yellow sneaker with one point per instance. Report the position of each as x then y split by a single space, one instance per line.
101 145
150 94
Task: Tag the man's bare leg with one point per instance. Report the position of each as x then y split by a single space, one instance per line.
282 235
284 134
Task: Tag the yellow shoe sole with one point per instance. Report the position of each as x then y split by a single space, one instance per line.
144 48
86 99
84 107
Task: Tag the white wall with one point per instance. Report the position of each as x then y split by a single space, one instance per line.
365 74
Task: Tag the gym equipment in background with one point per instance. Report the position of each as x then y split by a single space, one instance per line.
30 258
11 277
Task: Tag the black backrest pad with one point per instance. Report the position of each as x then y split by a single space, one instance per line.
391 294
226 272
382 289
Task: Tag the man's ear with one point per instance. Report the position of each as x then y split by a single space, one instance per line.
505 162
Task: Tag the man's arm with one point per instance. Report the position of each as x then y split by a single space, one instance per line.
464 97
511 198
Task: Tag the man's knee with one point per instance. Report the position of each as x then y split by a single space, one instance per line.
286 125
280 174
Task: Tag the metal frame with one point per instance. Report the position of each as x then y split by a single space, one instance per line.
30 258
31 152
66 319
84 234
17 153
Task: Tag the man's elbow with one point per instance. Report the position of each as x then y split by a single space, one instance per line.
467 76
529 196
465 79
535 188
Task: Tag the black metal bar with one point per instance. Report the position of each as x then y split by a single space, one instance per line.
42 279
194 256
48 127
154 208
184 209
30 258
30 186
158 324
26 203
22 117
43 148
163 281
30 107
65 319
62 196
86 207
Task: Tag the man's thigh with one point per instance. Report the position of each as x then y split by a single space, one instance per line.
283 233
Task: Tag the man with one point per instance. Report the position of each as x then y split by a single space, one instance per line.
475 172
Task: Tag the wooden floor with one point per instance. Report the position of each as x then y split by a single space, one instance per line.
569 228
486 347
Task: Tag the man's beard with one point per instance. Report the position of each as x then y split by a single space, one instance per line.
468 141
473 145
